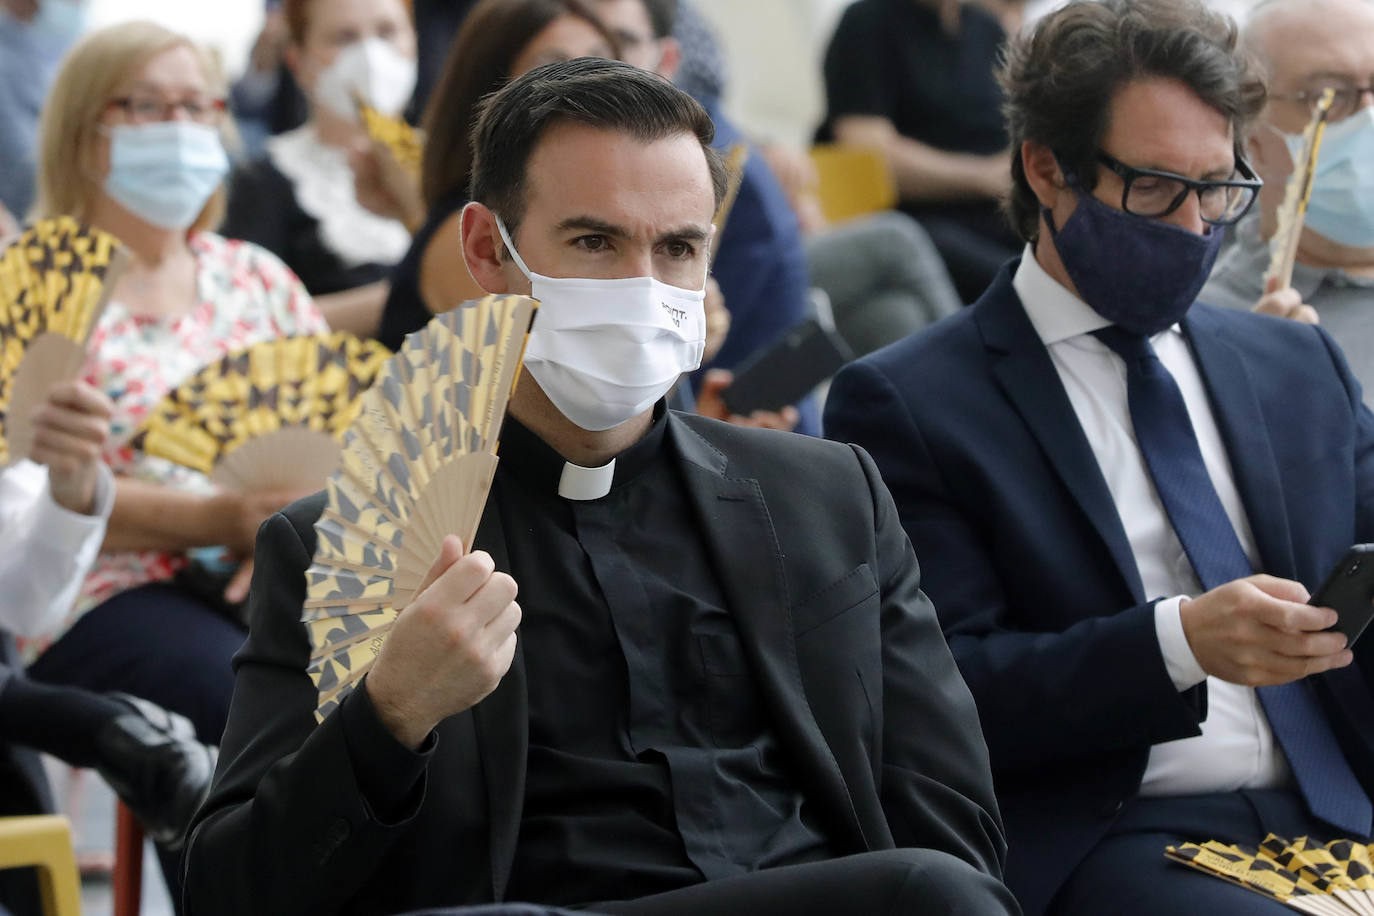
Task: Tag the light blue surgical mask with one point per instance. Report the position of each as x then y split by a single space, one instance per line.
164 172
1342 204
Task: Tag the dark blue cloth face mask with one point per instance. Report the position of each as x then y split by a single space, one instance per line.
1140 274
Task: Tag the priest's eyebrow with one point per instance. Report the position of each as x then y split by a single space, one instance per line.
592 224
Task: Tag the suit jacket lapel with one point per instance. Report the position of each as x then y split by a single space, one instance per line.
500 721
1245 432
1023 369
740 540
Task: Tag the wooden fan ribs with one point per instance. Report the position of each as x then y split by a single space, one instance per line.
416 466
54 282
267 417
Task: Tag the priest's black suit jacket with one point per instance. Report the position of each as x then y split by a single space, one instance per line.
858 683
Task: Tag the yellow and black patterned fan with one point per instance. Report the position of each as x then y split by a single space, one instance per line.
415 468
268 417
1330 880
55 279
405 143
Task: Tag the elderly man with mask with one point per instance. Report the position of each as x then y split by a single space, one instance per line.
721 691
1307 46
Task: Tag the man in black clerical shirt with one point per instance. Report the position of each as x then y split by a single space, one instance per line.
722 689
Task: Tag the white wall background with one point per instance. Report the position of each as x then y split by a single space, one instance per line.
226 26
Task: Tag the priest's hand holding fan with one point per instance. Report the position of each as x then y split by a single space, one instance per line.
449 647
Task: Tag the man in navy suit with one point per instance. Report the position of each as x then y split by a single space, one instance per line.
1121 498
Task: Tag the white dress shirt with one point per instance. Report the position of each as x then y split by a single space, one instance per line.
1236 748
48 549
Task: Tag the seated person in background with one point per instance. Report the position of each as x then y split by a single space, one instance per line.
132 144
1305 47
501 39
883 276
760 262
298 201
1120 498
916 80
34 34
669 731
53 508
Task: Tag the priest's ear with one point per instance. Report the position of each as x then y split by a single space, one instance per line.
485 254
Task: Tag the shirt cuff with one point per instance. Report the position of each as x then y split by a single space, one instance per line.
1179 660
61 527
389 774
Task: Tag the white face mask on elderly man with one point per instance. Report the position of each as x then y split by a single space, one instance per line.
604 351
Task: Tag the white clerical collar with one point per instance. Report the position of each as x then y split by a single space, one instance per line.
582 484
1055 312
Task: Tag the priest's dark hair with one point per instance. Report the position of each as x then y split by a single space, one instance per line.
603 94
1060 77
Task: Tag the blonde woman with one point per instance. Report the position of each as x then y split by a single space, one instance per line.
132 141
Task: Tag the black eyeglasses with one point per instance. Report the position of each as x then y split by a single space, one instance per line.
1154 194
1347 101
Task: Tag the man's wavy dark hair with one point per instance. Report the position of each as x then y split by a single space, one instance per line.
1059 79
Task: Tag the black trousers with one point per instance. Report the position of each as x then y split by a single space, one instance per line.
899 882
1127 874
157 642
893 882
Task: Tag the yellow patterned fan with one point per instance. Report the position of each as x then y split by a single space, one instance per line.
1330 880
416 467
269 417
54 282
1283 247
405 143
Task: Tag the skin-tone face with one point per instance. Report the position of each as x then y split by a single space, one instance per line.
1306 44
336 24
565 38
1154 123
629 22
598 204
173 76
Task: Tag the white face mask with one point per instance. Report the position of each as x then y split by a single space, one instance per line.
1341 207
383 76
606 350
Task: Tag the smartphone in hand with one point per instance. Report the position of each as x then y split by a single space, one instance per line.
1349 590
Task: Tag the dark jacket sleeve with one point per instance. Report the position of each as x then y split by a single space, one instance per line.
1044 696
288 827
937 789
260 208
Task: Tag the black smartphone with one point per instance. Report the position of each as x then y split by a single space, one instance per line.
1349 590
783 373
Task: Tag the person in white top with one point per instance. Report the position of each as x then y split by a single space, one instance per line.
1121 497
55 503
53 508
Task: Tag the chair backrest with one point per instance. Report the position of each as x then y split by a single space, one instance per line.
854 180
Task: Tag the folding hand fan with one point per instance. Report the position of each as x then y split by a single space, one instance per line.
1283 247
1330 880
416 467
269 417
406 144
54 281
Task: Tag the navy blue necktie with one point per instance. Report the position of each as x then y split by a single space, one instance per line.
1164 434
